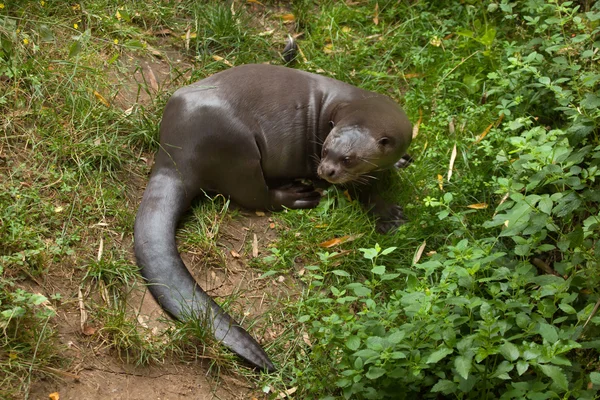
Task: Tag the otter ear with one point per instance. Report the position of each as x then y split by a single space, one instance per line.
331 124
385 141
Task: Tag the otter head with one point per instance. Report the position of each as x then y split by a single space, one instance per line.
366 136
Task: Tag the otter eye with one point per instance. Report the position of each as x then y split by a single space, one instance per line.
384 141
346 160
325 151
331 124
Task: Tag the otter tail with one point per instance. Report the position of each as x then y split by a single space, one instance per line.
168 279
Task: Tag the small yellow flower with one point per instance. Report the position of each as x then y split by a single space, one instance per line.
116 41
1 6
76 26
26 41
76 7
42 3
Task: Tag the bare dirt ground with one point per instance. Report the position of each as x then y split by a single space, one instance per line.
96 371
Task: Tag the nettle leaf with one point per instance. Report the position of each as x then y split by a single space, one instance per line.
463 365
438 355
369 254
595 378
375 372
375 343
378 269
353 343
509 351
359 289
339 272
502 371
590 101
396 337
388 250
567 308
367 354
445 386
522 366
548 332
556 374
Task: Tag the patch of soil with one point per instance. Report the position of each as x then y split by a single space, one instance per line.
96 371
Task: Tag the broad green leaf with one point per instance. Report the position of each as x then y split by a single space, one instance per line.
509 351
339 272
375 372
378 269
438 355
388 250
556 374
595 378
548 332
445 386
522 366
463 366
353 343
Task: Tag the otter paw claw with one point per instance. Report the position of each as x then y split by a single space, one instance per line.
391 219
296 195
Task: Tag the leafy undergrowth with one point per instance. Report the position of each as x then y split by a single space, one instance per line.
489 291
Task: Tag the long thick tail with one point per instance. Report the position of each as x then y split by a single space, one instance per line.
168 279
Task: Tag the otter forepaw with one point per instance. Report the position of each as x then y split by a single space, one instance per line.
390 219
296 195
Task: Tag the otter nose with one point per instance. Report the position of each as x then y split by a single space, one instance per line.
326 171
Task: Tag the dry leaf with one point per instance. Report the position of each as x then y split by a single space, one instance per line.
118 15
254 2
440 180
306 339
88 330
54 396
287 18
340 240
489 127
376 17
417 125
413 75
100 249
419 252
347 194
267 32
504 198
255 246
101 99
154 51
328 48
82 312
478 206
163 32
346 29
451 164
234 254
151 78
322 226
221 59
286 393
259 213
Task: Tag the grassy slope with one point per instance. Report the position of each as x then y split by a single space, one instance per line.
69 162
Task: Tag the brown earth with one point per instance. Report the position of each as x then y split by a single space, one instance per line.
96 371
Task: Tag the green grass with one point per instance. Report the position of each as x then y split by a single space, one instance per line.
72 169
